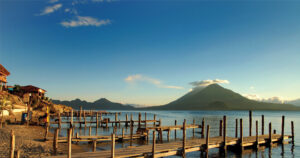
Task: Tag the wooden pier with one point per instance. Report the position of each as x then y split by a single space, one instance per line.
238 143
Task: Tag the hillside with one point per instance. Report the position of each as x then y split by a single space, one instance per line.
101 104
215 97
294 102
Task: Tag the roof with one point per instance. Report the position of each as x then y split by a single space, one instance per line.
3 71
31 89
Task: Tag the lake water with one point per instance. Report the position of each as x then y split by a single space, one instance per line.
212 118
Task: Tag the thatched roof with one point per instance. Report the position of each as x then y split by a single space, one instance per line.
3 71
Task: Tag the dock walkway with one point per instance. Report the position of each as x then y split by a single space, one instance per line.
176 148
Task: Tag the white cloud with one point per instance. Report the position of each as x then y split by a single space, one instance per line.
53 1
85 21
252 87
275 99
208 82
51 9
156 82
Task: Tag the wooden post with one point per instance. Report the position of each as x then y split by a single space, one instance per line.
175 131
97 120
159 122
241 134
256 135
207 139
203 128
262 124
224 132
131 117
154 118
126 123
122 134
100 119
18 154
59 121
55 141
94 145
169 135
90 131
282 129
194 123
270 133
153 145
116 119
250 123
112 145
236 128
292 129
274 132
145 120
221 127
84 118
131 132
69 142
80 113
46 133
184 138
12 144
140 116
71 118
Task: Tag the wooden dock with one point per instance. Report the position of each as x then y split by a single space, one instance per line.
176 148
203 144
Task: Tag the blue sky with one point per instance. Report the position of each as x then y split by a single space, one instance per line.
148 52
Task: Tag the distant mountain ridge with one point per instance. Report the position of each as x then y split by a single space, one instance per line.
212 97
294 102
101 104
215 97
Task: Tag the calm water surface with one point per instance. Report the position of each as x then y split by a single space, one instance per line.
212 118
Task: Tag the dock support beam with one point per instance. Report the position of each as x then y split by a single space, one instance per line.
241 135
250 123
112 145
256 135
203 128
224 133
262 124
236 128
69 142
12 144
282 128
292 129
270 134
153 144
183 138
207 140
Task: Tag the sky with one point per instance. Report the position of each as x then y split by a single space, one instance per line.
151 52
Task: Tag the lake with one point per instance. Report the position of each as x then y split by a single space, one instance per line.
212 118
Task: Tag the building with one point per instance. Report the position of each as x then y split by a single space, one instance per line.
33 90
3 74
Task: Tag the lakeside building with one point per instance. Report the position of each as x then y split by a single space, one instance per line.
3 74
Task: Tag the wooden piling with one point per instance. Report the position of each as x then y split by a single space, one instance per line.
236 128
112 145
224 132
140 117
122 134
94 146
241 134
69 142
12 144
256 135
292 130
175 131
59 120
159 122
203 128
184 138
221 128
207 139
270 133
153 144
194 128
126 123
282 128
250 123
116 119
168 135
154 118
55 141
262 124
71 118
84 118
90 131
145 120
18 154
131 132
80 113
97 120
46 133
